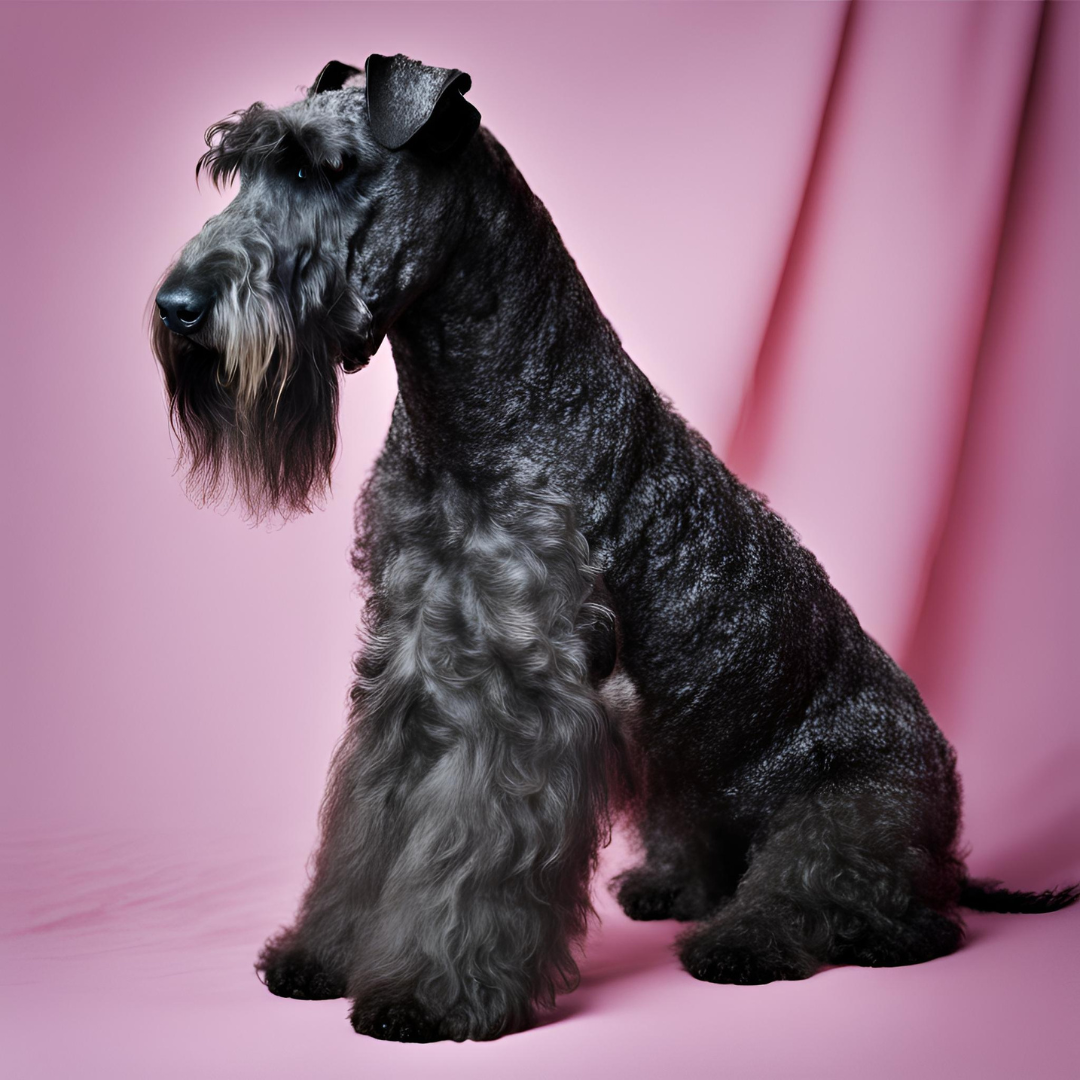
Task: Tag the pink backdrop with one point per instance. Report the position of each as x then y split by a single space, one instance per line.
844 241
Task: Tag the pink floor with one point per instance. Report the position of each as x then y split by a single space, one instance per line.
844 239
139 965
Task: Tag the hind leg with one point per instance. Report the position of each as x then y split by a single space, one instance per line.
840 878
687 872
918 935
754 939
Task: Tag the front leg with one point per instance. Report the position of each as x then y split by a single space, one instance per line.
464 812
313 958
288 968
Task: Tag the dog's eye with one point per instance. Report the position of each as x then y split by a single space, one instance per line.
334 168
302 173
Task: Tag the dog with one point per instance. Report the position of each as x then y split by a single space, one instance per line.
575 612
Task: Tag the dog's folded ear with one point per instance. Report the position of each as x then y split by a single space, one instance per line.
333 77
411 104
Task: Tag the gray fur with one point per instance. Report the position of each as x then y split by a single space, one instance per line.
466 803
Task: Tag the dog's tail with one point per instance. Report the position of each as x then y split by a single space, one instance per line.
980 894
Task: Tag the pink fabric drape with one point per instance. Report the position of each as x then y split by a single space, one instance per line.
845 241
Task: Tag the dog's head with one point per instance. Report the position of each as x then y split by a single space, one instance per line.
346 211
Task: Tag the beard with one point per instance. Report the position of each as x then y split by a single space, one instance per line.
257 424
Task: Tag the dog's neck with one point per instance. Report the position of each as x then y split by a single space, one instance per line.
509 322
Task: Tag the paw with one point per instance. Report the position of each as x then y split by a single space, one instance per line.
290 972
396 1021
714 959
643 901
921 936
644 895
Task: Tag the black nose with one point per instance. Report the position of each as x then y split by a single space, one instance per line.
183 307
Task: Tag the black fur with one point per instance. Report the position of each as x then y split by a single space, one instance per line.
574 609
993 896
